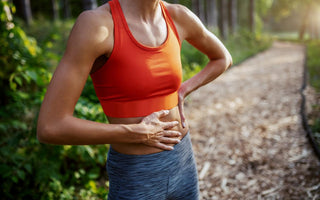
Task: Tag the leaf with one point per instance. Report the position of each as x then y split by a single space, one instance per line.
18 80
5 171
94 173
21 174
90 151
28 167
32 74
92 186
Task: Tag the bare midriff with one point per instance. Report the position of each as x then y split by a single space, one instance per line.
141 149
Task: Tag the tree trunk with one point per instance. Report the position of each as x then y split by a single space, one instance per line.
195 7
252 23
55 9
212 15
199 9
223 19
313 23
233 14
66 9
24 10
89 4
304 23
202 11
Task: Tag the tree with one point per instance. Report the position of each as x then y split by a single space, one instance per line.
252 24
212 14
55 9
305 10
89 4
233 16
198 8
66 9
24 10
202 11
314 23
223 18
195 7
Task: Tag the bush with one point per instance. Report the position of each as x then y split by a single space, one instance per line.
30 170
313 64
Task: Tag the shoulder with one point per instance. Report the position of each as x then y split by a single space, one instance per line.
93 28
176 10
97 19
185 20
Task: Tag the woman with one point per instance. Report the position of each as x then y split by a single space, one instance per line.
131 49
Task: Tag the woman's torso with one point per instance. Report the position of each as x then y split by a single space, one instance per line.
173 115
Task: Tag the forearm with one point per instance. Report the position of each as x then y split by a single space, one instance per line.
212 70
75 131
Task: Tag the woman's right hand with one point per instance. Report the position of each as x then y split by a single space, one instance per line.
158 133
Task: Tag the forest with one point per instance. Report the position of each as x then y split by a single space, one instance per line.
33 39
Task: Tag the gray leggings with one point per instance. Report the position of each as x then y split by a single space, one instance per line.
168 175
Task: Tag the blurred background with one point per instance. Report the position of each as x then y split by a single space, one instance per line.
33 37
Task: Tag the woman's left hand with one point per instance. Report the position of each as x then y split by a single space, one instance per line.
181 96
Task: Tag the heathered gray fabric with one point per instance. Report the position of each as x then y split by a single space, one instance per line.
168 175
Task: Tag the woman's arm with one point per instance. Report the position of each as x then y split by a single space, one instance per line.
193 31
91 37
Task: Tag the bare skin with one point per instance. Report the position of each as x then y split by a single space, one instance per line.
89 45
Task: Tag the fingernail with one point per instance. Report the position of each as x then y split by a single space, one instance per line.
179 141
183 124
166 112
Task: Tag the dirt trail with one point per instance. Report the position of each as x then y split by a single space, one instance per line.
246 131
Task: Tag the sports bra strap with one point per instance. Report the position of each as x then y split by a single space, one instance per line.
169 20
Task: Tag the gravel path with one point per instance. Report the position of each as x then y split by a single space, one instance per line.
246 131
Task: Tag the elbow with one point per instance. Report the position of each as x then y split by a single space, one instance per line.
46 133
228 61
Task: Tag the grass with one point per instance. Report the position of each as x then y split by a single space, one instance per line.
313 64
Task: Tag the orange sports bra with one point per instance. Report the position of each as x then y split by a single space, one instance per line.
138 80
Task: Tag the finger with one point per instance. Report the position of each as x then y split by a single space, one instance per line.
181 112
164 147
171 133
167 140
169 125
161 113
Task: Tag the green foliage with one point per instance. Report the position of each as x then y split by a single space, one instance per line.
30 170
245 44
313 64
283 8
51 36
192 60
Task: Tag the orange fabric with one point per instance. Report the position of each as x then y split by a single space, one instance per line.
138 80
